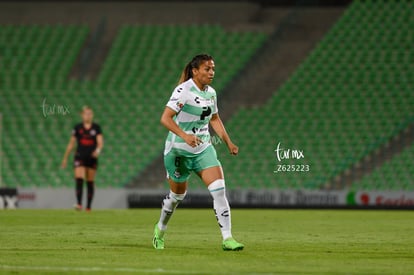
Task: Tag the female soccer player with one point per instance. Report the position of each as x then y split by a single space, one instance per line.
190 110
90 143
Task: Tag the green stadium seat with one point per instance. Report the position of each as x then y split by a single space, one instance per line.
395 174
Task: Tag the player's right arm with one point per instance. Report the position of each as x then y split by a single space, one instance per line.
174 105
69 149
169 123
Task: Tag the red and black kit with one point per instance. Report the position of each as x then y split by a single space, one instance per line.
87 143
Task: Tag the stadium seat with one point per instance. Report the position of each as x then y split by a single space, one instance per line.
395 174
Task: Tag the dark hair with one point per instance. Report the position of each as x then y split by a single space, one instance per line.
194 63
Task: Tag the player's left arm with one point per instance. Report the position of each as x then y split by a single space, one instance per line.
218 127
99 145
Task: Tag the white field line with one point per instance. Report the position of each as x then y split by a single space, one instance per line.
107 269
92 269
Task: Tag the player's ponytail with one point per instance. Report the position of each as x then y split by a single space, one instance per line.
193 64
186 74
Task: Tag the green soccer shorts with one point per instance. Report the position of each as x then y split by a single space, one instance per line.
179 164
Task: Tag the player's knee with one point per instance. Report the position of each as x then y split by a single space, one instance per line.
172 200
218 191
177 197
79 181
217 188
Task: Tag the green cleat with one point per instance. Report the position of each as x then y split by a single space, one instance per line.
158 240
231 244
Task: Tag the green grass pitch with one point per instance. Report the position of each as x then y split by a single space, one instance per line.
277 242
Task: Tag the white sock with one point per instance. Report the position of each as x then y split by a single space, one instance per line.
169 204
221 207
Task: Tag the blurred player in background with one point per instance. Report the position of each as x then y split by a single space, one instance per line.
190 110
88 136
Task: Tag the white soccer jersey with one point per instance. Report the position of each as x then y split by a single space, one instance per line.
194 110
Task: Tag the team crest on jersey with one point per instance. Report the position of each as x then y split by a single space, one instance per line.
93 132
177 174
179 105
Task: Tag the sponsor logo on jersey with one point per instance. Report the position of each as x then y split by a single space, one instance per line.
87 142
